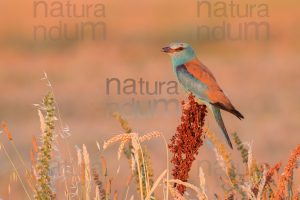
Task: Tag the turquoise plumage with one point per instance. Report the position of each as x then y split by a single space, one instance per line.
198 79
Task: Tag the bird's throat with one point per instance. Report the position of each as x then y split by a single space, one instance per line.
181 59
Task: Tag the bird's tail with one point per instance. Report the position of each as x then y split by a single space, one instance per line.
237 114
217 113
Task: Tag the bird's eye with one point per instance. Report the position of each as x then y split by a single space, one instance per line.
179 49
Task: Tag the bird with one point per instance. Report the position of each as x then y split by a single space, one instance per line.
196 78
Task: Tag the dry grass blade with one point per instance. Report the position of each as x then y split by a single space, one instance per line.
127 187
6 130
175 194
87 172
220 160
198 191
79 156
202 183
156 184
34 144
108 188
16 170
115 195
250 157
97 194
16 150
104 166
42 121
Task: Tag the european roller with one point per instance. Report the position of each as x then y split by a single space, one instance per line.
195 77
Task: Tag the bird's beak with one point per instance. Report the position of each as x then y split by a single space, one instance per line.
166 50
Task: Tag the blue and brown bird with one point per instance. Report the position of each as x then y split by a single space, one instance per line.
196 78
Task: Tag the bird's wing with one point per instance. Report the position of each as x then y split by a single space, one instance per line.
191 83
196 78
198 73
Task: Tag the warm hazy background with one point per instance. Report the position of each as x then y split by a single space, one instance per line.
260 77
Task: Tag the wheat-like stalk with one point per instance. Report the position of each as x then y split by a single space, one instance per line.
82 178
256 184
124 123
44 190
262 183
100 192
121 148
87 172
250 158
136 155
247 189
115 139
97 194
241 147
143 166
150 136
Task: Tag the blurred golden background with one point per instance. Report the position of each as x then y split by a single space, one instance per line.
260 76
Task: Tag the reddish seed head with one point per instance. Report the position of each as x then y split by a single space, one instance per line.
187 140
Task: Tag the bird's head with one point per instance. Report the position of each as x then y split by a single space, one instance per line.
180 52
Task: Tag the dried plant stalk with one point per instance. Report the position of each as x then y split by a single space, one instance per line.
44 190
287 174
